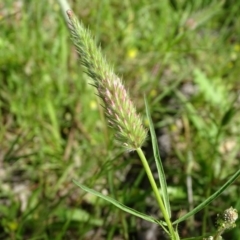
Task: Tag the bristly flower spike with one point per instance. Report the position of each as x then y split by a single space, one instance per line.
120 111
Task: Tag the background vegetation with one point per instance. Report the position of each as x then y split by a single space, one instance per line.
183 55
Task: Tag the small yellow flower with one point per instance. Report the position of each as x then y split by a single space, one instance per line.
153 93
93 105
12 226
132 53
237 47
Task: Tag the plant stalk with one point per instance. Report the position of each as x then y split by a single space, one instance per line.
172 233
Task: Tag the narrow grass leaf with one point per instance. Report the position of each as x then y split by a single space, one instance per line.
210 199
120 205
228 115
11 148
161 175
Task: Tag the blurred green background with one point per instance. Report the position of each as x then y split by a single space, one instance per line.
183 55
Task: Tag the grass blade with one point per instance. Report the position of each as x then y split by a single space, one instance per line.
161 175
210 199
120 205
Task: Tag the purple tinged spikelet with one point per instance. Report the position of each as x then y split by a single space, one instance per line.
122 114
120 111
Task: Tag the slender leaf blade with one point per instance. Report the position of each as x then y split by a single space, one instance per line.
120 205
161 175
210 199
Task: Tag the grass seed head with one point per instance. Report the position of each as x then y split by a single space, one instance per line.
121 112
227 219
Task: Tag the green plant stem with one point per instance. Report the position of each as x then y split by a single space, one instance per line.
173 234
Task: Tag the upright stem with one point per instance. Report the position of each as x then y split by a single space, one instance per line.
173 234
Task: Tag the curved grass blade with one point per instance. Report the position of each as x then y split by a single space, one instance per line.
120 205
161 175
210 199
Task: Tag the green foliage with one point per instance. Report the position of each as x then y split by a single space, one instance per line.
183 55
157 158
